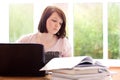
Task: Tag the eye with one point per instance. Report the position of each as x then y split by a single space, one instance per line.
54 20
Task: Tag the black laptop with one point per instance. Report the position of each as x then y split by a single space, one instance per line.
24 59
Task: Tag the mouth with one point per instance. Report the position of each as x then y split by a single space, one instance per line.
56 29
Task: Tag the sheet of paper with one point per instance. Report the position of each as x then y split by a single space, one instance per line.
62 63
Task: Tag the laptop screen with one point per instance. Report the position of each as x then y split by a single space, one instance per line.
18 59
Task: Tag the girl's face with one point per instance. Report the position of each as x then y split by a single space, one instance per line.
54 23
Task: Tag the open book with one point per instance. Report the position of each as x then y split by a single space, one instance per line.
69 63
86 66
77 68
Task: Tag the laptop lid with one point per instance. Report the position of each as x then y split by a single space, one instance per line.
20 59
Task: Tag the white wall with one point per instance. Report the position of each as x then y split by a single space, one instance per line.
4 22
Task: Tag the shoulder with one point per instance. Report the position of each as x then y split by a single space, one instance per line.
27 37
64 40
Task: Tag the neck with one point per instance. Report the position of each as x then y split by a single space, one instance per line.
48 40
47 36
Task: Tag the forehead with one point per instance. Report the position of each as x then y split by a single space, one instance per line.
55 15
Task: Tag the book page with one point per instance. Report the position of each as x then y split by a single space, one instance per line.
62 63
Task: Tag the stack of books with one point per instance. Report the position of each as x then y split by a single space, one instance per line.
85 69
83 73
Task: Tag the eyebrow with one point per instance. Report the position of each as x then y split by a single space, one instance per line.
59 18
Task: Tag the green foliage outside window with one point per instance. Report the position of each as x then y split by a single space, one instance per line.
20 20
88 37
114 30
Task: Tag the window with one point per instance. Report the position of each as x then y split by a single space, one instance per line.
88 25
114 30
93 27
20 20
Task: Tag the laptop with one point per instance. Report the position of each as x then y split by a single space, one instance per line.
21 59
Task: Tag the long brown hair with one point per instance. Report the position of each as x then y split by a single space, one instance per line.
46 14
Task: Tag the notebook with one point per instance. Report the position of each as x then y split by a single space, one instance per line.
21 59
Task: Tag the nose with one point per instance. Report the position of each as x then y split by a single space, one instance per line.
57 25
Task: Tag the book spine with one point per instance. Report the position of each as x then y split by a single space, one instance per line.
99 75
90 78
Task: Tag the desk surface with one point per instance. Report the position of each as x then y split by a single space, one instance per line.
47 77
